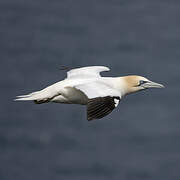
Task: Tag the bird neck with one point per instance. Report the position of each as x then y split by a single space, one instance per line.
125 86
120 85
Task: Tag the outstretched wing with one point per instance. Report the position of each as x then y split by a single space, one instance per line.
85 72
97 89
99 107
102 99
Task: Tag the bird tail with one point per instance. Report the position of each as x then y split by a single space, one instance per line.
38 97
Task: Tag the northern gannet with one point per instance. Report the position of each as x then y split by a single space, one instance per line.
86 86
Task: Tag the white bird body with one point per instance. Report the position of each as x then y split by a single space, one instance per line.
85 86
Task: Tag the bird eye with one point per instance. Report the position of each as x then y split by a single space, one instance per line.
142 82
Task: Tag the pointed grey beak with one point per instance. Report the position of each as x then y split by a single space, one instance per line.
151 84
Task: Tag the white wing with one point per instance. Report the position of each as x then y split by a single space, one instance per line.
102 99
85 72
97 89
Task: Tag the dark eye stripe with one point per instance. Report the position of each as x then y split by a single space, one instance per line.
142 82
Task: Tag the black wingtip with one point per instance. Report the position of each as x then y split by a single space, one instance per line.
90 118
64 68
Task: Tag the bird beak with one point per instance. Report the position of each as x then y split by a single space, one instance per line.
151 84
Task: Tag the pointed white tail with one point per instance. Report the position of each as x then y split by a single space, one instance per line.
38 95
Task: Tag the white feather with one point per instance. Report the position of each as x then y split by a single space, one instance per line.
85 72
86 79
97 89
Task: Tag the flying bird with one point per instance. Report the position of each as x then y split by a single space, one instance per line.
86 86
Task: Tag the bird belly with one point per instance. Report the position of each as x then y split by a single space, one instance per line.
71 95
60 99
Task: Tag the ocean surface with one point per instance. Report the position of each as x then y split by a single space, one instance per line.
140 140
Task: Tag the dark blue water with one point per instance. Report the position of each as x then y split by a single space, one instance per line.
140 140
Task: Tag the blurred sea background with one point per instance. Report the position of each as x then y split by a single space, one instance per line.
140 140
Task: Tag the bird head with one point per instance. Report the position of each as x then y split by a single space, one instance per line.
138 83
